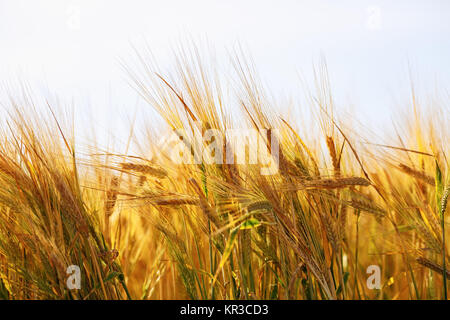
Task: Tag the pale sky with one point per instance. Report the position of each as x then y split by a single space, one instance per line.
72 47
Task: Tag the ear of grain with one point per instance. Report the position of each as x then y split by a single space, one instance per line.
111 196
444 200
432 265
145 169
367 207
337 183
333 155
420 175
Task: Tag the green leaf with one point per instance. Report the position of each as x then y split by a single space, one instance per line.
439 186
112 275
250 224
4 293
226 253
346 276
274 292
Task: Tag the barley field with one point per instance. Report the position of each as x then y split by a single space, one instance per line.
345 215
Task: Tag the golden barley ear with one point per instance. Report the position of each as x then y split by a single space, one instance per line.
420 175
145 169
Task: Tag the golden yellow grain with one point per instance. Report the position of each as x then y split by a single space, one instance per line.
145 169
336 183
420 175
432 265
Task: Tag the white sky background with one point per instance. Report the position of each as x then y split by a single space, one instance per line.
72 47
